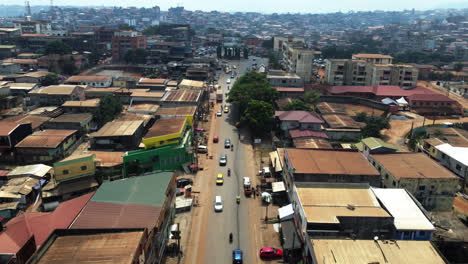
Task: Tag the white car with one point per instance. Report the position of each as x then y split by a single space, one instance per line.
219 113
223 160
218 204
228 81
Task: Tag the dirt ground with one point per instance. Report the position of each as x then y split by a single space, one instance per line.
460 205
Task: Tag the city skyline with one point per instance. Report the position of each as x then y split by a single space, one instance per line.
294 6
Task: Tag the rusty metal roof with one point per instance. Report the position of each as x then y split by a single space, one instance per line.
6 127
182 96
314 161
61 89
118 128
177 111
165 126
50 138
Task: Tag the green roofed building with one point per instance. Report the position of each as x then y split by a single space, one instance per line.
146 201
372 145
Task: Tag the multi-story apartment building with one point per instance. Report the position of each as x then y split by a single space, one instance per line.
33 26
124 41
295 56
369 71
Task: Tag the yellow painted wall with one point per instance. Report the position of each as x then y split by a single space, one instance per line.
155 142
122 84
79 167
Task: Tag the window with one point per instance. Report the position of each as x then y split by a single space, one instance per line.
422 188
458 167
66 172
386 176
84 168
394 183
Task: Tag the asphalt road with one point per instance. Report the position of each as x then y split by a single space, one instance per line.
234 218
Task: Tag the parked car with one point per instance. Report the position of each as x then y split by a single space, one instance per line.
270 253
227 143
223 160
219 179
237 256
228 81
182 182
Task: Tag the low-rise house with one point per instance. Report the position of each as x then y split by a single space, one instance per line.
98 81
85 106
73 176
21 89
9 68
164 132
323 251
342 127
339 210
290 92
434 104
177 111
109 164
307 134
92 92
303 120
22 235
433 185
125 82
410 219
372 145
11 133
453 158
118 135
313 165
81 122
37 171
46 145
152 84
282 79
181 98
187 84
32 77
37 122
56 94
145 109
312 143
71 246
145 201
140 96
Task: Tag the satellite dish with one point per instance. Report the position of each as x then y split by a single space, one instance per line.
376 238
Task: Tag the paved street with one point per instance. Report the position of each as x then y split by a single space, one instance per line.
209 240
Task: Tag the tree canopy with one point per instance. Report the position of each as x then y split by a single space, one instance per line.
258 116
50 79
109 107
252 86
57 47
312 97
374 125
296 105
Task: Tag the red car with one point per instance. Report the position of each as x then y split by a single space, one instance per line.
271 253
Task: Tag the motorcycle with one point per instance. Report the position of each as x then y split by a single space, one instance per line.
238 199
232 147
230 237
229 172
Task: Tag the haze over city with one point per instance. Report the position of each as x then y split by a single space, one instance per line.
265 6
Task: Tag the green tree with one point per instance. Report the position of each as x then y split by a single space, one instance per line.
251 86
57 47
374 125
246 53
109 107
361 117
312 97
50 79
458 67
296 105
258 116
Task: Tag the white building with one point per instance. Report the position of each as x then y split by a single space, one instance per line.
454 158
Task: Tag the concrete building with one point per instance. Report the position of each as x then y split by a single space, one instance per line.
123 41
56 94
295 56
373 58
302 120
118 135
33 26
434 104
365 73
314 165
433 185
453 158
167 131
98 81
283 79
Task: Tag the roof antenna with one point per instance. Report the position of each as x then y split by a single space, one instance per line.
28 10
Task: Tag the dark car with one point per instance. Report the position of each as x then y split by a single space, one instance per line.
237 256
270 253
181 183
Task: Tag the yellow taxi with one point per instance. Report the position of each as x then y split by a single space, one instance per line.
226 109
219 179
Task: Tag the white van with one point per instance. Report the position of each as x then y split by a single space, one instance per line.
218 204
202 149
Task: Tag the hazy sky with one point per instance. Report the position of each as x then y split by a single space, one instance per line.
265 6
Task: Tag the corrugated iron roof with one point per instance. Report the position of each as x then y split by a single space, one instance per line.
50 138
39 170
72 118
165 126
118 128
182 96
85 103
61 89
176 111
6 127
114 215
88 78
300 116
